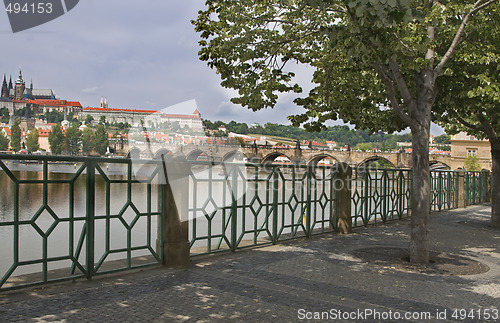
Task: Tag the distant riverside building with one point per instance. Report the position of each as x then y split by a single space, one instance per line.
137 118
464 145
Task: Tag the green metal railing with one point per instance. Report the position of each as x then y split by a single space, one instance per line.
476 185
240 205
444 190
379 195
70 217
75 217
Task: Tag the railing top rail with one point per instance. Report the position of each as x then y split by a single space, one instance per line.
64 158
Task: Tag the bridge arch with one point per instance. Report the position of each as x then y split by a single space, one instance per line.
134 152
198 154
235 156
271 157
434 164
162 151
314 160
367 162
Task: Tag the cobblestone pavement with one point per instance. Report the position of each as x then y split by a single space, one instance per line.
288 283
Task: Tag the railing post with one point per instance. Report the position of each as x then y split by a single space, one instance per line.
90 217
487 185
342 186
461 188
309 170
275 205
175 211
234 206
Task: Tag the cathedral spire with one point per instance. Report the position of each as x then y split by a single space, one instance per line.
20 78
5 88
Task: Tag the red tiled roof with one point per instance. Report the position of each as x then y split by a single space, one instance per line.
52 103
44 132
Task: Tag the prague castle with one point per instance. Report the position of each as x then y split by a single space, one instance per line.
20 92
18 96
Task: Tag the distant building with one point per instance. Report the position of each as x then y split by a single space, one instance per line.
331 144
464 145
19 91
18 96
147 118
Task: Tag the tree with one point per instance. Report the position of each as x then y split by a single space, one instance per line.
443 139
54 116
102 120
89 119
57 141
15 136
471 163
88 140
4 142
471 94
376 65
101 140
364 146
32 141
73 139
4 115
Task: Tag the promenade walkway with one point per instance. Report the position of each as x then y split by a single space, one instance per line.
293 281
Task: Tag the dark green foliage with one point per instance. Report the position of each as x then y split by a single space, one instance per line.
4 142
32 141
343 135
101 140
15 136
57 141
73 139
54 116
4 115
88 140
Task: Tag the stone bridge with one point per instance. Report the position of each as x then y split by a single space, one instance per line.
267 154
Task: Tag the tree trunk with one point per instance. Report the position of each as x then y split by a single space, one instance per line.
495 185
420 199
421 187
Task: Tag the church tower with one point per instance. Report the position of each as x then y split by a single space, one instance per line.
20 87
104 103
5 88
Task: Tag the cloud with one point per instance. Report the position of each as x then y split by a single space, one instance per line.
90 89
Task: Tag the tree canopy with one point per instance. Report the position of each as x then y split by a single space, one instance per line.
4 142
15 136
57 142
365 53
32 141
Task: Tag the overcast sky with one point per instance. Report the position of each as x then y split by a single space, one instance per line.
137 54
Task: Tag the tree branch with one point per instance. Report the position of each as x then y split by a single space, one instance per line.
487 128
401 83
391 92
458 36
468 124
